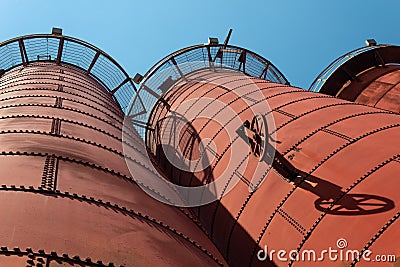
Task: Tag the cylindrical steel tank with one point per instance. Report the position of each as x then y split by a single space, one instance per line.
68 198
333 182
369 75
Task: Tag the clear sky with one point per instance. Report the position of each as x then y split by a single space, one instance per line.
300 37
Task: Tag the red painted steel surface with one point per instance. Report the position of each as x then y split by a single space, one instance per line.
335 174
67 196
368 75
378 87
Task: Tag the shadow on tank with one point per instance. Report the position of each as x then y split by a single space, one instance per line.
189 143
332 199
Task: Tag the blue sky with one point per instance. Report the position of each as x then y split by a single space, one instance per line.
300 37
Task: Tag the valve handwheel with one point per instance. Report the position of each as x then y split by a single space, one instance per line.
260 137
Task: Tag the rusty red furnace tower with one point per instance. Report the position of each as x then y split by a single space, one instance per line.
212 158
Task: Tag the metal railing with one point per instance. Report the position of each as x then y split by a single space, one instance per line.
319 82
137 104
68 50
156 82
